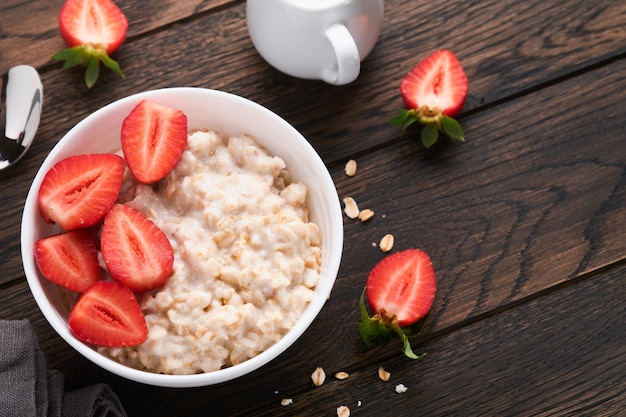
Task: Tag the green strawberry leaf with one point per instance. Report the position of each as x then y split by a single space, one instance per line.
400 118
71 57
93 71
414 329
367 328
371 329
406 345
433 124
378 329
111 64
408 123
73 61
404 118
430 134
65 54
451 128
90 57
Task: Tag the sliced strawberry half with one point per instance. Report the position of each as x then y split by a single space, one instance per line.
135 250
153 140
403 285
69 259
436 85
434 91
79 190
93 30
400 289
108 314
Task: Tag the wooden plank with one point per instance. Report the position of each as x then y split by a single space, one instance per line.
514 210
504 216
511 49
534 199
506 46
29 29
561 354
497 206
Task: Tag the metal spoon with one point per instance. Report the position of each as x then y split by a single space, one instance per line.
21 98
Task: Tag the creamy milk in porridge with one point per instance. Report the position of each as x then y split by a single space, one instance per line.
247 258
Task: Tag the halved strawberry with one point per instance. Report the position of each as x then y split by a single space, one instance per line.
93 30
434 91
79 190
400 290
135 250
153 140
107 314
69 259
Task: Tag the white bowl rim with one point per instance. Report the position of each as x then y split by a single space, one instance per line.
58 323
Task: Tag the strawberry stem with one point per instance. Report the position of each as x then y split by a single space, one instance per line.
381 327
434 122
90 57
406 345
371 329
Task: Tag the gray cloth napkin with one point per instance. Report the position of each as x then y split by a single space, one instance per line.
28 388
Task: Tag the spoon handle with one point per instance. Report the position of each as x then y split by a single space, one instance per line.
21 95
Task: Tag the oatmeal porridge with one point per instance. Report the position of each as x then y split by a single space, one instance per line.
247 258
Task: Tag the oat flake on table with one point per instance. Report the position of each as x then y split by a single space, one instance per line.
401 388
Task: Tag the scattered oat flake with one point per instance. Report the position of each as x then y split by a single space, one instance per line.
401 389
318 376
365 215
286 401
351 209
383 375
342 375
343 411
350 168
386 243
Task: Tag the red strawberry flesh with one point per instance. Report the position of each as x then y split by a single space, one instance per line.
97 23
108 314
135 250
69 259
402 284
153 140
436 85
79 190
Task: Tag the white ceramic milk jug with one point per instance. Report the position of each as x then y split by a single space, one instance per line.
315 39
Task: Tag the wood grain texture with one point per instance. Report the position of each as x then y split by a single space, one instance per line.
29 31
524 221
506 47
535 219
493 207
560 354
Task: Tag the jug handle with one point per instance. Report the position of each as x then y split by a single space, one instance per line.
348 64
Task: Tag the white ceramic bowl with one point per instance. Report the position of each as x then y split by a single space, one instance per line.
222 112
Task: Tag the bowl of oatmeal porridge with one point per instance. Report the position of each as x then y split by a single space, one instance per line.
255 224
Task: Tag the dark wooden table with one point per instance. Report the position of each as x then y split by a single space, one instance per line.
525 222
